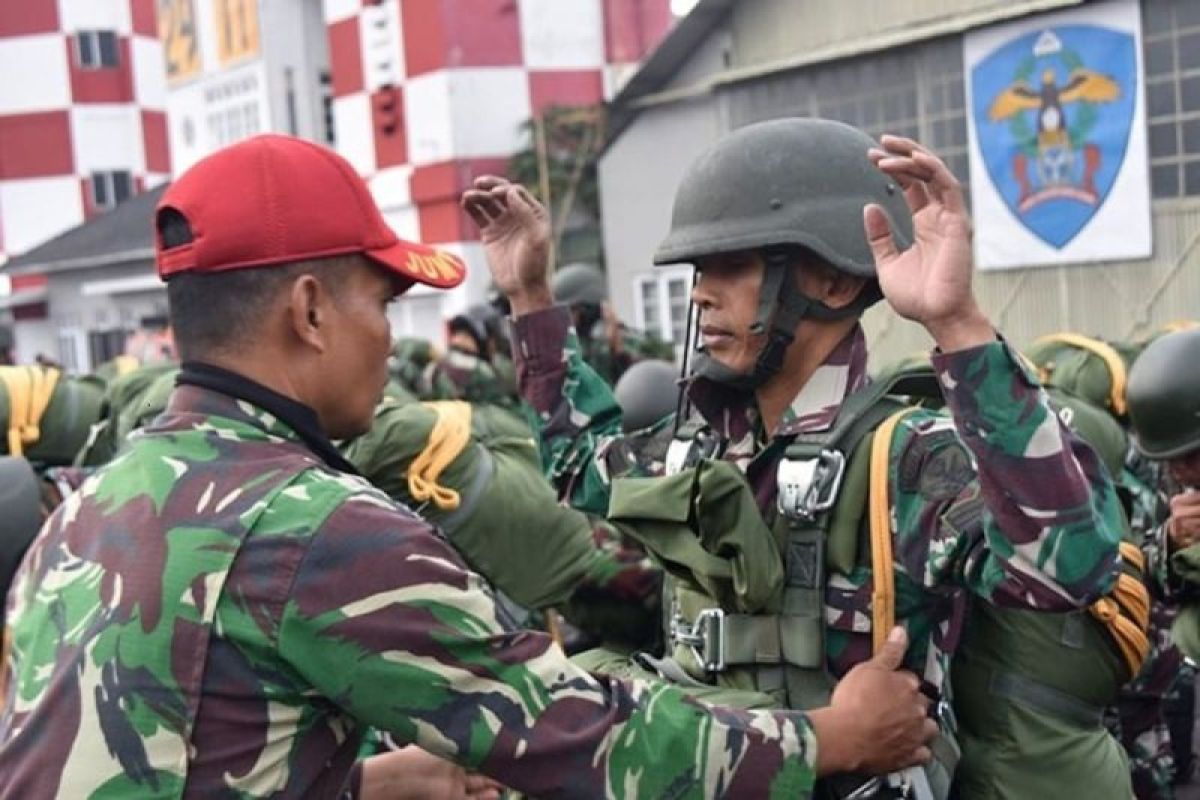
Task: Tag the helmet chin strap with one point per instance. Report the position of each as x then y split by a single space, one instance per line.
781 307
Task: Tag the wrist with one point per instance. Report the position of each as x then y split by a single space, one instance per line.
530 299
833 728
962 331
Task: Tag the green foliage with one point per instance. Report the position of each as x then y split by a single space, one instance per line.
574 136
1085 120
1023 135
1071 59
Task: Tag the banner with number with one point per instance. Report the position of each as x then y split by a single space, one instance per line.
177 31
1057 126
237 29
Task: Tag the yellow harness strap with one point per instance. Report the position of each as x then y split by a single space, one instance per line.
1126 612
29 390
1111 358
125 364
450 434
883 596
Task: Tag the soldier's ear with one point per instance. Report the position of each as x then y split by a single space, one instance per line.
307 301
832 287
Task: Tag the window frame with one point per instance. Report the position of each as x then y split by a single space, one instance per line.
95 39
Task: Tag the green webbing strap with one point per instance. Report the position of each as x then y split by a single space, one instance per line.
1045 698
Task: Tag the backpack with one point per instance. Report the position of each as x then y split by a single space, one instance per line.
45 414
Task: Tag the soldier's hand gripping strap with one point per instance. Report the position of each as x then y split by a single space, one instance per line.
883 596
1126 611
29 390
1102 350
450 434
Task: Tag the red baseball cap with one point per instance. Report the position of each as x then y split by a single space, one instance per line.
276 200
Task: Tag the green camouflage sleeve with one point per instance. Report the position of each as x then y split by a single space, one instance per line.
573 434
1003 499
411 644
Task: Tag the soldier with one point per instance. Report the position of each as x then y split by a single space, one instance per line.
226 606
608 345
1002 502
1163 398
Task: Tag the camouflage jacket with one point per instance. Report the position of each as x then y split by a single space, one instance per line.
465 376
1012 508
223 609
635 346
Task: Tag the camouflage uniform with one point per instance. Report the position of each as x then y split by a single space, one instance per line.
1045 521
224 608
1142 724
635 346
465 376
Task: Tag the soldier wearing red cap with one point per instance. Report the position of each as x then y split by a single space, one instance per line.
226 607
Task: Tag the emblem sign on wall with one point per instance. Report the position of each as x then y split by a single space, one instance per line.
1059 169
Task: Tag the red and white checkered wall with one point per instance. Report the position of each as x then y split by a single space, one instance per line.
429 94
61 122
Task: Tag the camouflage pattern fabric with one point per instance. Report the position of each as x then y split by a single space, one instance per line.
1043 521
465 376
219 613
635 346
409 360
1141 725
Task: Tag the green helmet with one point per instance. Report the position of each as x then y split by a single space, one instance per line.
21 499
773 187
785 182
647 393
1164 396
579 284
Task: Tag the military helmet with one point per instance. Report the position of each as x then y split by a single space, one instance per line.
647 393
579 284
785 182
20 497
1164 396
472 326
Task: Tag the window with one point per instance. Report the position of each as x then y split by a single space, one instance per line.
110 188
662 300
1171 49
96 49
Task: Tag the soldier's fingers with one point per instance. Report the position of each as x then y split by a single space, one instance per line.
944 186
477 208
905 168
901 144
879 234
481 206
488 182
922 755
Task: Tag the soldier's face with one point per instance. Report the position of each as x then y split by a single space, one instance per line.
726 294
357 358
1185 469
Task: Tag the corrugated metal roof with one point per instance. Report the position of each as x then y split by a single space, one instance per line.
124 234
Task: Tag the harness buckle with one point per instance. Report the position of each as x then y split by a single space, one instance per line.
809 486
705 638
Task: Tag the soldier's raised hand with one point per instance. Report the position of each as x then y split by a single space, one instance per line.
930 282
515 231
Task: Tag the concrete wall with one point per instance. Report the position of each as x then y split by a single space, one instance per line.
639 173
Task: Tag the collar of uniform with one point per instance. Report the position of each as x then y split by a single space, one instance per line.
292 419
734 414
